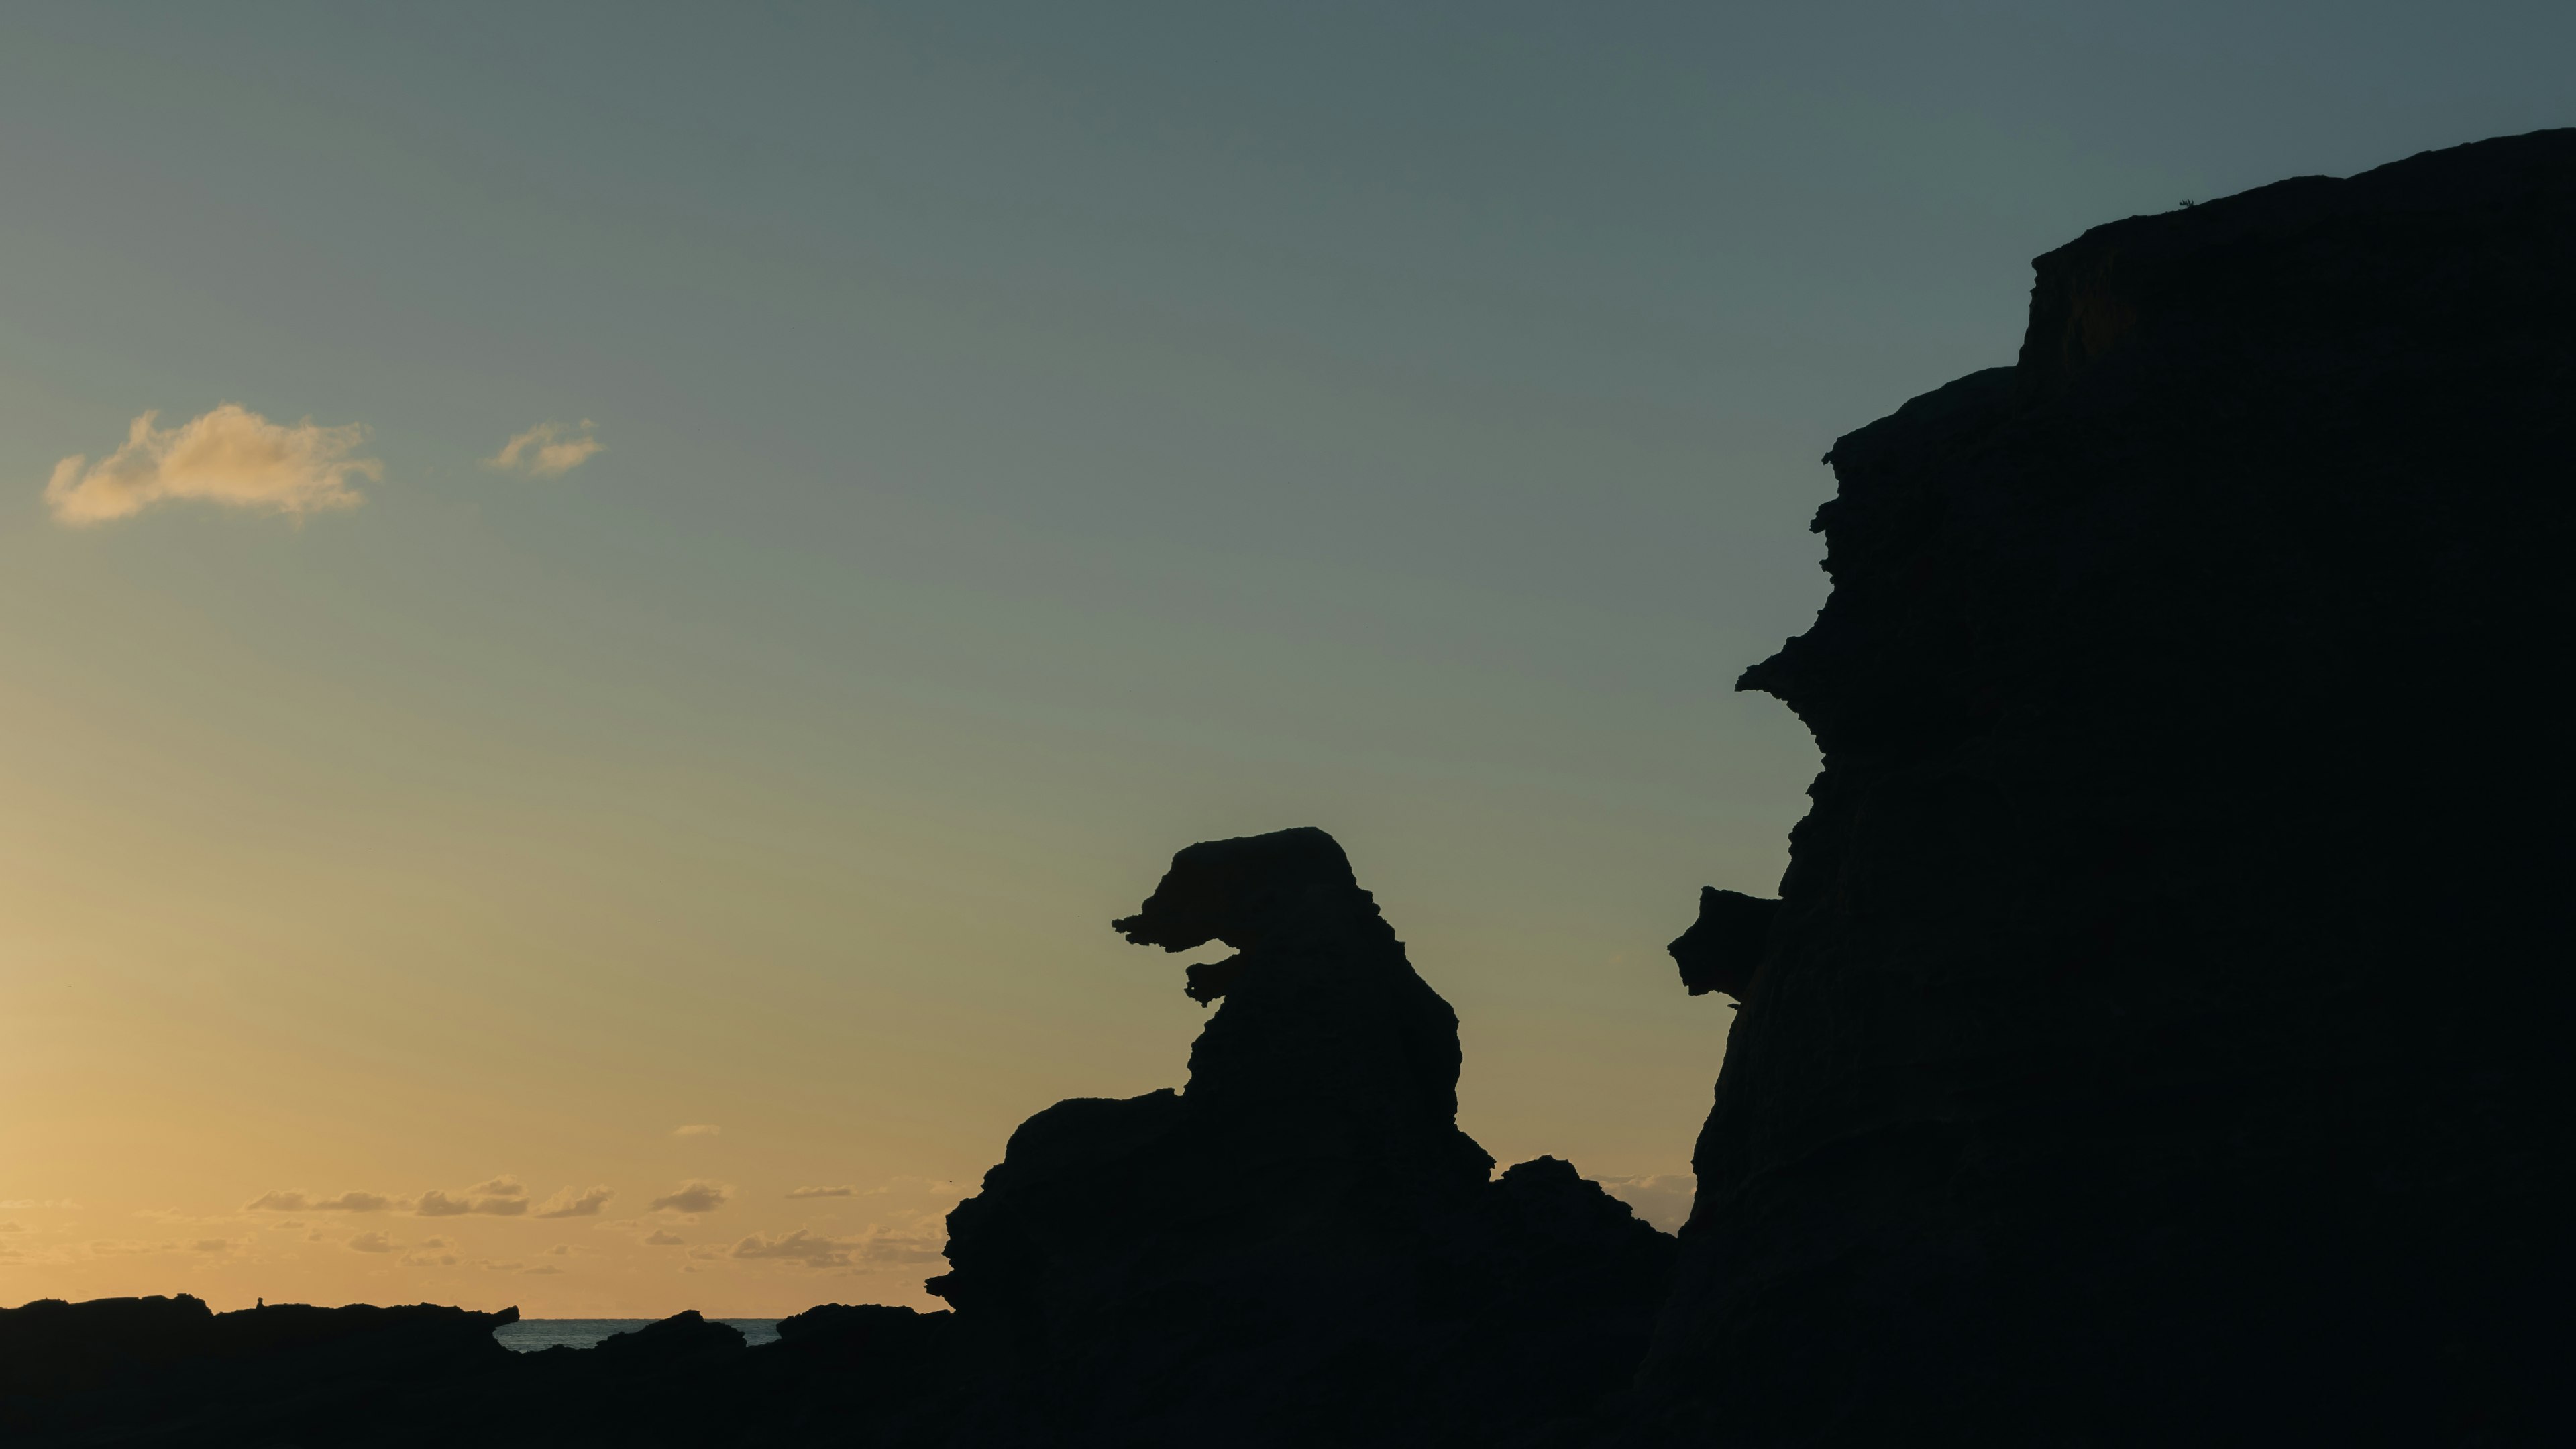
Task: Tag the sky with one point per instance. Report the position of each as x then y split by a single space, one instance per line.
599 604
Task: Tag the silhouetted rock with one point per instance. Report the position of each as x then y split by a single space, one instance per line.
1301 1247
2162 1034
167 1370
1720 950
681 1341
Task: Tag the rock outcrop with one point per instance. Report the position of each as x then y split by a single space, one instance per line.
2162 1033
1300 1247
1722 947
172 1371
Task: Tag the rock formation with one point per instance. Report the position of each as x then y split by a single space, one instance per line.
1301 1247
171 1371
1720 950
2162 1034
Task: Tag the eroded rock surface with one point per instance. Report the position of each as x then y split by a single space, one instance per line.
2162 1034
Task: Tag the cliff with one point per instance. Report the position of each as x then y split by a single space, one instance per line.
2159 1036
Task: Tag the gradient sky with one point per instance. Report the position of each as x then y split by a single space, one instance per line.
1030 438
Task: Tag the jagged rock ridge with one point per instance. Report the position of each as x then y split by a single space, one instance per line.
2160 1034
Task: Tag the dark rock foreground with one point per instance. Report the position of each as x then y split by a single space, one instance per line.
2160 1036
2162 1033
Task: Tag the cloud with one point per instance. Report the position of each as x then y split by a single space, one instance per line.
548 450
660 1239
502 1186
296 1202
541 1268
559 1250
695 1196
799 1246
372 1243
697 1129
1663 1199
569 1204
436 1204
878 1245
12 1228
231 456
885 1247
428 1260
825 1192
212 1245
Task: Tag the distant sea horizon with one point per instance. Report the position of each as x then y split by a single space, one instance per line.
531 1335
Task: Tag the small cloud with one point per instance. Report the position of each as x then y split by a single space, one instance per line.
570 1204
695 1196
502 1186
12 1228
706 1253
436 1204
212 1245
799 1246
559 1250
110 1248
372 1243
698 1129
661 1239
825 1192
541 1269
429 1260
296 1202
230 456
548 450
882 1246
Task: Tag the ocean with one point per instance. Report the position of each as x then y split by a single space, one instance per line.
531 1334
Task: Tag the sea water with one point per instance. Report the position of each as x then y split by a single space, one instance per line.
531 1334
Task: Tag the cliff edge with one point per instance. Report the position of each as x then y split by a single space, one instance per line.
2160 1035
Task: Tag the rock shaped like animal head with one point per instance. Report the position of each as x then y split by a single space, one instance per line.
1724 947
1250 892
